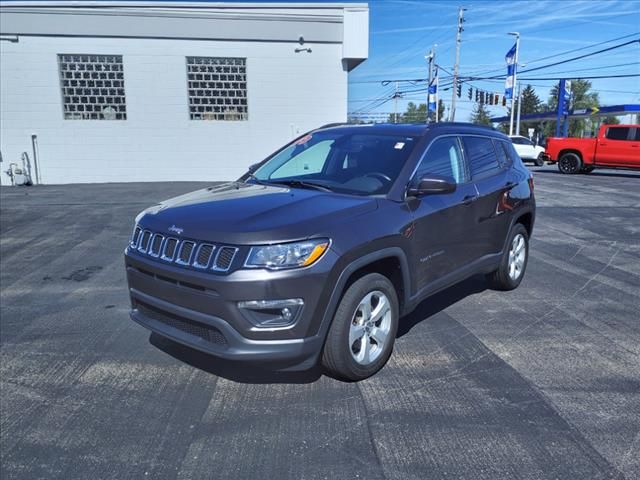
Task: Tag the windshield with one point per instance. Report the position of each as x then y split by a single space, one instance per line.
355 163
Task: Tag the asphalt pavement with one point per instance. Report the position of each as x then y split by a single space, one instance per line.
539 383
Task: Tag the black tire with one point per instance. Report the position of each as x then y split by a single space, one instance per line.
501 279
570 163
338 355
587 169
538 162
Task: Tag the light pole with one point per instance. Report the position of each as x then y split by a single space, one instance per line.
515 77
519 106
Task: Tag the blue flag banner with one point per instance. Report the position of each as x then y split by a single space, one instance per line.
433 90
510 58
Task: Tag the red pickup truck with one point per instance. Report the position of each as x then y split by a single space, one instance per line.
616 146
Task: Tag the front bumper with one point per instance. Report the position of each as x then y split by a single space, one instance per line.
200 309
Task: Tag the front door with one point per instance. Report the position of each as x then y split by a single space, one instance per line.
443 237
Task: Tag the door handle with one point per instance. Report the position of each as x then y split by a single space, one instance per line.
469 199
603 144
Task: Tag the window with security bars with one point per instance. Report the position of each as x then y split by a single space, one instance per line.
217 88
92 87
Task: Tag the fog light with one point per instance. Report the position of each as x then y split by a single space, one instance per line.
272 313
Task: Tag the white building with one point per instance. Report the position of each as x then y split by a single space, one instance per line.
129 91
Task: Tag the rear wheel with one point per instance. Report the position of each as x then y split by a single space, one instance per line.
539 161
514 261
570 163
364 328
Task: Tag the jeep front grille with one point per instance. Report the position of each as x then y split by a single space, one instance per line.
184 255
156 243
135 236
169 252
203 256
187 253
224 258
144 241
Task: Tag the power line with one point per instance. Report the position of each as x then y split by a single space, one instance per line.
498 77
563 53
637 40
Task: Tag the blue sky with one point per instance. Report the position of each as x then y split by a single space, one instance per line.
403 31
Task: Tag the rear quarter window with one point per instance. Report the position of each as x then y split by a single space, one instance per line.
617 133
502 150
481 156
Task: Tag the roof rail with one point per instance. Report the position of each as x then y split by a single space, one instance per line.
335 124
460 124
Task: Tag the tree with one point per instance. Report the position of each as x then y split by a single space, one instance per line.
417 114
480 114
531 103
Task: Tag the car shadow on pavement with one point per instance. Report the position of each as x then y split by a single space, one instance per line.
441 301
240 372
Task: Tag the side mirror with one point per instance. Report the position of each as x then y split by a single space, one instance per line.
431 184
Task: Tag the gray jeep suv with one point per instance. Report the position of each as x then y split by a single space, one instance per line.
317 252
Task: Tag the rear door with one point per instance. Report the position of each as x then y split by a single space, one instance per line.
443 237
616 148
493 179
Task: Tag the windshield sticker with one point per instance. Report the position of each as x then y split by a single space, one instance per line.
399 146
304 139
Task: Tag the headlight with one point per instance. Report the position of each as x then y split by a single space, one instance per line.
287 255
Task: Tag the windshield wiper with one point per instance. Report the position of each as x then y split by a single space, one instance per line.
302 184
252 176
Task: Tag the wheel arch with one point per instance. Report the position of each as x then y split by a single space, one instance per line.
390 262
563 152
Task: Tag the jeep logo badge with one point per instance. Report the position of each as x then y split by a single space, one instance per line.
175 229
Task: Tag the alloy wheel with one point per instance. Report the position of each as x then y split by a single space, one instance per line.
369 328
517 256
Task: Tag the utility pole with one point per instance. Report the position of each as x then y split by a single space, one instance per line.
395 105
452 115
431 59
515 80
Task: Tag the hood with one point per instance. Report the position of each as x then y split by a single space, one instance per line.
246 214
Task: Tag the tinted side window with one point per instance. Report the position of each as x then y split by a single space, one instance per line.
481 156
617 133
637 137
501 151
443 157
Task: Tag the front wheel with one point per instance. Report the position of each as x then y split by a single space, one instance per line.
570 163
514 261
361 337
